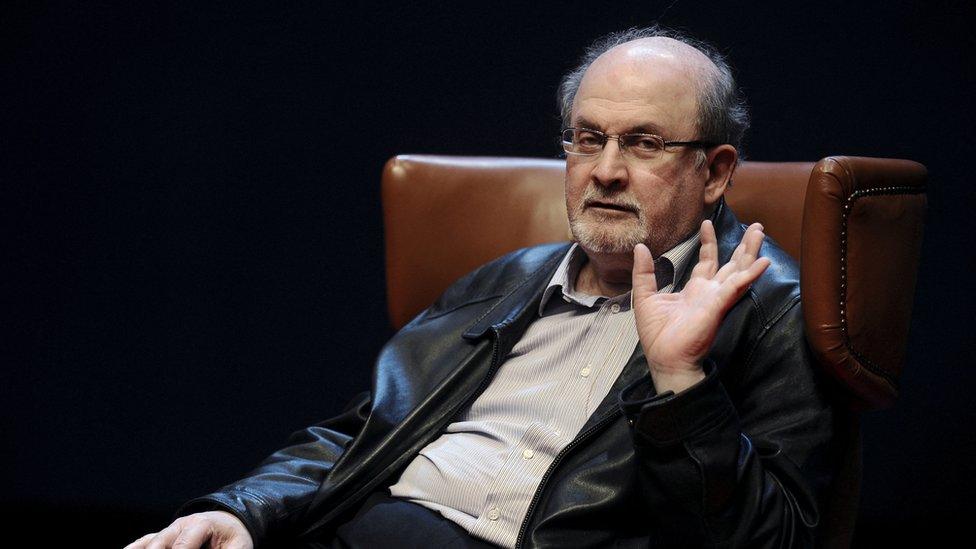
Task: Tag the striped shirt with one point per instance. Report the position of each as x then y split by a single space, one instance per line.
484 470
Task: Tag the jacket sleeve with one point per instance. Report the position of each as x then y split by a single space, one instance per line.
273 497
751 466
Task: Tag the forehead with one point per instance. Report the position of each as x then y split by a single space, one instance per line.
639 86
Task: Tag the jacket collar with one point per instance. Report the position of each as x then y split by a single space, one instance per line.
511 315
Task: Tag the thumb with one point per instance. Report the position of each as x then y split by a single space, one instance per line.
642 277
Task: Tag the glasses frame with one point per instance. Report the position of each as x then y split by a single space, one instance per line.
625 149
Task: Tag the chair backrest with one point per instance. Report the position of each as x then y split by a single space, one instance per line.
854 224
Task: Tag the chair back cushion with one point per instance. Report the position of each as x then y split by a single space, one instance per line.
446 215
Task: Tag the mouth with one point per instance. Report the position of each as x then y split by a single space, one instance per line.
611 206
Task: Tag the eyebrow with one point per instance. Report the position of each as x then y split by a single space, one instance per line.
646 127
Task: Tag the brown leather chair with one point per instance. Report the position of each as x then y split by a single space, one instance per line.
854 224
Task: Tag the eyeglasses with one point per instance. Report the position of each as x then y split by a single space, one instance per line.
645 146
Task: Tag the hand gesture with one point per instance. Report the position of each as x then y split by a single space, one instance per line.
677 330
214 529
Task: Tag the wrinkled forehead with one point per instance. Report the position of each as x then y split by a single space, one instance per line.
644 82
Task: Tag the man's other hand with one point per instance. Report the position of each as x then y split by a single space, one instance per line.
677 330
220 529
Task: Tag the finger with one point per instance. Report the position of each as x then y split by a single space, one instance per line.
744 244
728 269
736 285
752 241
141 542
707 253
164 539
745 253
643 281
194 536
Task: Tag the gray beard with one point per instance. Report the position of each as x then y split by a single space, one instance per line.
593 238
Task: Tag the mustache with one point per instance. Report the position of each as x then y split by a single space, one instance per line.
593 196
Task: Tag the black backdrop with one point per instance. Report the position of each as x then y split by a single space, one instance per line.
193 244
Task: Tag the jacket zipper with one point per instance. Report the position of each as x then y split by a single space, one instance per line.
491 373
552 467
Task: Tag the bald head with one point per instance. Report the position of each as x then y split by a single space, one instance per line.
633 59
656 54
649 71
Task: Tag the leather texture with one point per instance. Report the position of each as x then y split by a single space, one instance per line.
748 463
445 216
864 218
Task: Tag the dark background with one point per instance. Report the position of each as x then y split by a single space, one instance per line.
193 254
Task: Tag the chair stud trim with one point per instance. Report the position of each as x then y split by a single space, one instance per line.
864 360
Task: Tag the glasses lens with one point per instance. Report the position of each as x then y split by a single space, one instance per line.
568 141
642 145
571 143
582 141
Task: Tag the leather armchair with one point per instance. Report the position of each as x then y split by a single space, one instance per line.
854 225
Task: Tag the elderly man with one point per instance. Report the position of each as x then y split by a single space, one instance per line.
581 394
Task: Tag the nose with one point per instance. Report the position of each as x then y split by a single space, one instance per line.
611 166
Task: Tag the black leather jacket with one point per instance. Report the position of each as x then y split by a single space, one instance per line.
740 459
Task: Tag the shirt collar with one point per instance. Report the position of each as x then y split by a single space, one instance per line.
564 279
670 266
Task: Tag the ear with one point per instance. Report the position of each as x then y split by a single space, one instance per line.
719 165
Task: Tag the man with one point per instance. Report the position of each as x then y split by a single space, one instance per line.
566 395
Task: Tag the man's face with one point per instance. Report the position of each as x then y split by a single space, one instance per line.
615 201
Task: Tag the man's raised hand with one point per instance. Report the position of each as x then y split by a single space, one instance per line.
676 330
214 529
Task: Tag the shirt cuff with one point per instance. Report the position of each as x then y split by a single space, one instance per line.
667 419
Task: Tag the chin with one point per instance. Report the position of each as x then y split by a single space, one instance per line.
607 240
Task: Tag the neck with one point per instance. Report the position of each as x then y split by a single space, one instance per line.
605 274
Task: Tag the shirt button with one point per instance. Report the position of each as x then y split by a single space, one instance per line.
585 371
615 308
494 513
527 454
